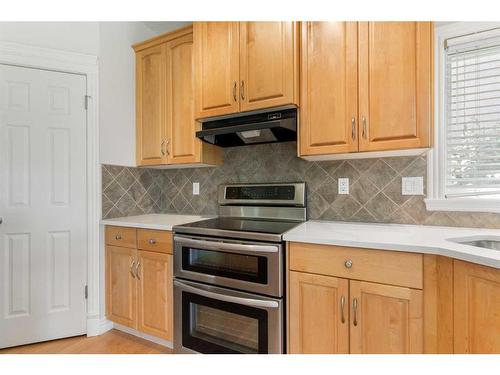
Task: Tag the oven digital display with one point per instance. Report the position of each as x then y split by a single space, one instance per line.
278 192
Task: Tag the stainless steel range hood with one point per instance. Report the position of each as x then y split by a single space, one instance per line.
278 125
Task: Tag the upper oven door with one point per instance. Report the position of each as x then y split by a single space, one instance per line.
244 265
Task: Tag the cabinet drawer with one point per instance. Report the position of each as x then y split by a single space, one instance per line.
121 236
387 267
154 240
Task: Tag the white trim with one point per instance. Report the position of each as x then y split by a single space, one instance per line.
436 200
367 155
145 336
71 62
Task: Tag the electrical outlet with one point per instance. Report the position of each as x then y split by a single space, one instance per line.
196 188
412 186
343 186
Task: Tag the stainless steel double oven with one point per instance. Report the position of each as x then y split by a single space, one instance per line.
229 272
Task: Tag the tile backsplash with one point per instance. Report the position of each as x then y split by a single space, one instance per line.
374 191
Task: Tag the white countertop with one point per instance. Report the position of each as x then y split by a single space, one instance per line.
154 221
409 238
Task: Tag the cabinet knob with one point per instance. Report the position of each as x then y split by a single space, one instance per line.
348 263
118 237
152 241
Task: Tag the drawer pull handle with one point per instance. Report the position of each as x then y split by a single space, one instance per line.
118 237
152 241
342 304
348 263
355 311
132 268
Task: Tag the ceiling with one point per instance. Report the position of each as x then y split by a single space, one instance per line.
160 27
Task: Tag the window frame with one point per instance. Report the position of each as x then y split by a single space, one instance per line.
436 158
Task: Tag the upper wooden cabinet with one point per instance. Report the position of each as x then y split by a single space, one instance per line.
395 83
329 88
165 121
244 66
476 310
216 56
150 104
386 67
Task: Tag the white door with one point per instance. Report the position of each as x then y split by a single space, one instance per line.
43 241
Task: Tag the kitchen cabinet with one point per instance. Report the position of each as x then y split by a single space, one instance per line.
166 127
385 319
334 309
245 66
476 309
121 292
139 280
377 89
319 314
155 286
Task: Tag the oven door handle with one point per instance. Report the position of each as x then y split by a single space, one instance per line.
222 297
225 246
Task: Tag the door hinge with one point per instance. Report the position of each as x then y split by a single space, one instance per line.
87 97
86 291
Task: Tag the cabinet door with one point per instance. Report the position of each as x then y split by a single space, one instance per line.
319 321
329 88
395 85
268 64
155 277
121 302
476 308
385 319
182 146
150 105
216 62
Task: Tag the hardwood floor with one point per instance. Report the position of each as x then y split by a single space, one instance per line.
112 342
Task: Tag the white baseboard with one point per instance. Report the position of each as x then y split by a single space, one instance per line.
144 336
97 326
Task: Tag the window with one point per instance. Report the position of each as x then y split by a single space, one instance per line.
465 162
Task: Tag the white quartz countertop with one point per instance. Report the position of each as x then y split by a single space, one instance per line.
154 221
409 238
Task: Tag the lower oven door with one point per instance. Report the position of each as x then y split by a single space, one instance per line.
215 320
255 267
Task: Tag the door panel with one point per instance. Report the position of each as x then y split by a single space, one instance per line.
182 146
476 309
216 62
395 84
268 64
155 294
317 323
121 288
329 88
386 320
150 106
43 243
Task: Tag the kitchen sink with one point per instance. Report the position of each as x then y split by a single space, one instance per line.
484 243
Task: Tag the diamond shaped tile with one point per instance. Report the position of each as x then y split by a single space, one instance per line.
315 176
380 174
381 206
363 190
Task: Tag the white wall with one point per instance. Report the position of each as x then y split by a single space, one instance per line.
81 37
117 90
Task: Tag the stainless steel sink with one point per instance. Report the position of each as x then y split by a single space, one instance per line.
486 244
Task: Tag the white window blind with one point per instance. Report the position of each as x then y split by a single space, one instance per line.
472 90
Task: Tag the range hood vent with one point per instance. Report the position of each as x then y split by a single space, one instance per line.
250 129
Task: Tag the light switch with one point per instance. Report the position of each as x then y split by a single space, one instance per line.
343 186
196 188
412 186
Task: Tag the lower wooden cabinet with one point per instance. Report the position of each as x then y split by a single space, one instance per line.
139 283
319 314
385 319
121 291
476 309
154 281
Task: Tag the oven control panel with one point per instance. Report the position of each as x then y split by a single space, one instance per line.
267 192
